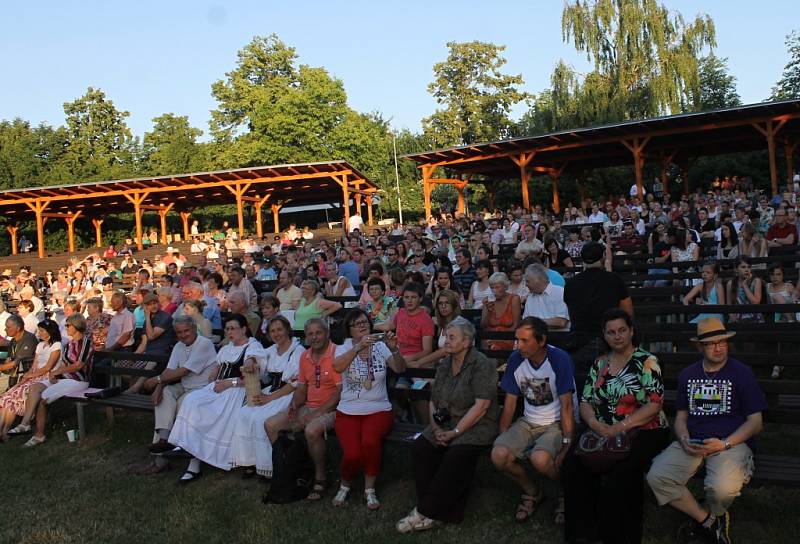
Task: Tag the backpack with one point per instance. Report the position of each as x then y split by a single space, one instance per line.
291 469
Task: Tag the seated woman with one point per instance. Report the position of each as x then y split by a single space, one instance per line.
443 280
744 288
337 286
364 413
206 420
312 305
379 307
623 393
780 292
711 291
70 376
251 447
23 398
501 311
480 290
194 309
463 410
270 309
446 309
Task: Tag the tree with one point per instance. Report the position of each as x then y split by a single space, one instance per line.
477 96
788 85
171 147
717 87
646 61
99 142
27 153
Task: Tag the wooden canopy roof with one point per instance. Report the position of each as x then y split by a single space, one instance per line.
278 185
674 138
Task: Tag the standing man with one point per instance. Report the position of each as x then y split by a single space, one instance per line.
588 295
719 405
313 406
542 375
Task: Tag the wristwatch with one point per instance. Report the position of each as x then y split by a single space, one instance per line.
235 382
728 445
566 441
158 379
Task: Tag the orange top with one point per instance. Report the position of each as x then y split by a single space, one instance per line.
322 380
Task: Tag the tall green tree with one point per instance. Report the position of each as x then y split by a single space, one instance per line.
788 85
646 63
171 147
99 143
27 153
475 95
717 86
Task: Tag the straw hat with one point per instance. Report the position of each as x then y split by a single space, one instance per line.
711 329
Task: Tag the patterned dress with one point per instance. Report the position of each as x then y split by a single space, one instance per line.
613 398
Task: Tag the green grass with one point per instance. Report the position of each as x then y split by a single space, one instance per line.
64 493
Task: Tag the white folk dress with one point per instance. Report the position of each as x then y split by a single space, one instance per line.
251 446
206 419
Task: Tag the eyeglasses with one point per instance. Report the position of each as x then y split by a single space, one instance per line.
359 324
717 344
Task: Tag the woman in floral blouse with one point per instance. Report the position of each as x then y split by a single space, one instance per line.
623 394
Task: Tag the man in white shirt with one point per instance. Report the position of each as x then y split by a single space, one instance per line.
120 330
190 364
597 216
546 301
241 284
355 222
530 244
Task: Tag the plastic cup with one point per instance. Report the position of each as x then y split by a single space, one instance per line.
72 435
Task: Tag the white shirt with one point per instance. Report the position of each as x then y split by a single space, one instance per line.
249 292
199 358
521 290
356 399
287 363
598 217
121 322
549 304
355 222
31 323
3 317
43 352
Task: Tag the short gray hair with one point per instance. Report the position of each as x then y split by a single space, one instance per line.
537 270
465 327
499 277
184 320
317 321
16 320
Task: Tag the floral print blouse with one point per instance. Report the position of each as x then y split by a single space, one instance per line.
615 397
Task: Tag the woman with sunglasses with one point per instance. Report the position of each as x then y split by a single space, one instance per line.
364 414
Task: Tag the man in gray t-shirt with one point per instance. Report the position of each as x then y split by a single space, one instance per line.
20 351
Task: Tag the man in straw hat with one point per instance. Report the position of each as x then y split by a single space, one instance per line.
718 414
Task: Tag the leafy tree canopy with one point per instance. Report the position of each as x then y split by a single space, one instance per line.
788 86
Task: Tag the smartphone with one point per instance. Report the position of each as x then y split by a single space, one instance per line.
696 441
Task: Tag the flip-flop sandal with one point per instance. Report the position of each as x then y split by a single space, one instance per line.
186 481
527 506
318 488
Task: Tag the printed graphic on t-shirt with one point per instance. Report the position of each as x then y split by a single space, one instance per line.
358 373
537 392
709 397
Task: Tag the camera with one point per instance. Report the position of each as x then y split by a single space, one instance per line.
441 416
378 336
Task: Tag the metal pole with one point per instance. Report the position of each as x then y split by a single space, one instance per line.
397 179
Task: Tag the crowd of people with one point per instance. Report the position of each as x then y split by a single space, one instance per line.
245 311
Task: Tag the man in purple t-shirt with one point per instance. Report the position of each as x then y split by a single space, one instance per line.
718 405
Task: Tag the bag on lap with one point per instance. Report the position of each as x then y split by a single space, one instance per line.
291 469
599 454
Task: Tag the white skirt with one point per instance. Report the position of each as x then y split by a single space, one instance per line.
63 388
205 424
251 446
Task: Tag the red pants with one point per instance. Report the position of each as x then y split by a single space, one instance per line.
360 438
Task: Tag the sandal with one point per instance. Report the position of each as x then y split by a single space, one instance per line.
415 522
192 477
372 499
341 495
527 506
20 429
33 441
558 516
318 488
249 472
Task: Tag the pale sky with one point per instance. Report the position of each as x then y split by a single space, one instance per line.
156 57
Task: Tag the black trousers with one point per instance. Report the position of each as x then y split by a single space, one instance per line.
609 507
443 477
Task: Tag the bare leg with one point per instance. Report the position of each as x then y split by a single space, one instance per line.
505 462
139 383
41 418
34 395
544 464
315 436
275 425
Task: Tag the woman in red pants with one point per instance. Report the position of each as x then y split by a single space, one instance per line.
364 414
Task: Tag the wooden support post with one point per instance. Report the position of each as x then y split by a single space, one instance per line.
788 148
136 199
554 175
461 207
345 202
427 173
98 231
238 191
636 147
12 230
357 198
38 207
490 196
258 205
524 175
770 130
71 230
185 220
276 208
162 215
369 210
666 160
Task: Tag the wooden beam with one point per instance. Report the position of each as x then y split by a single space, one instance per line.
12 230
276 208
238 191
427 174
162 215
369 210
636 146
788 147
71 230
259 203
523 160
97 231
345 201
136 199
